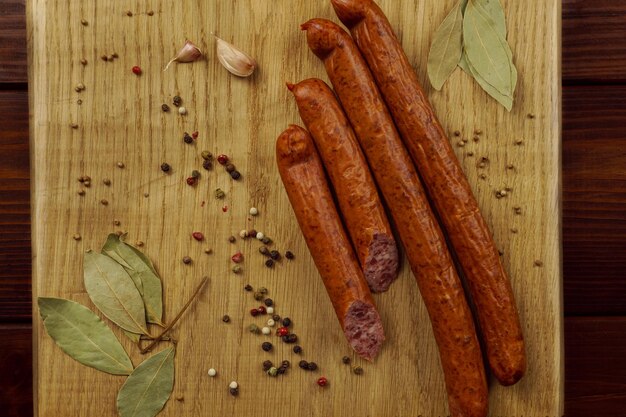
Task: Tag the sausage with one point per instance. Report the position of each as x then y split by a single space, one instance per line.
358 199
424 244
488 283
304 179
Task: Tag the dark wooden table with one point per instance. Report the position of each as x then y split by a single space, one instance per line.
594 209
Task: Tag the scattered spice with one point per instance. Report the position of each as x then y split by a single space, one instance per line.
266 240
187 138
136 70
303 365
254 211
106 182
104 57
258 296
266 346
248 287
346 360
254 312
290 338
357 370
177 101
83 61
79 87
191 181
230 167
275 317
282 331
286 322
186 260
198 236
139 243
260 235
263 290
271 323
262 310
312 366
165 167
207 165
268 302
234 391
264 251
104 202
120 164
243 234
232 239
269 263
517 210
267 365
212 372
538 263
322 381
206 155
83 22
222 159
266 331
236 269
195 174
297 349
226 318
76 237
237 257
208 251
252 232
219 193
81 192
253 328
235 175
182 110
275 255
165 107
272 371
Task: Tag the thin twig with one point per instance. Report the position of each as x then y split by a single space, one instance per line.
173 322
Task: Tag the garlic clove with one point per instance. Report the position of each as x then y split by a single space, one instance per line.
188 53
234 59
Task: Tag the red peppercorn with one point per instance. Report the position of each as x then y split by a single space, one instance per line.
137 70
195 135
282 331
198 236
225 209
262 310
222 159
191 181
237 258
322 381
254 312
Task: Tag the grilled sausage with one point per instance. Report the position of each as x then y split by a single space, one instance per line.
304 179
446 183
421 236
350 176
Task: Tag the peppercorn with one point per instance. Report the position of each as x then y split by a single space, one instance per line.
195 174
304 365
253 328
312 366
357 370
268 302
206 155
150 13
346 360
258 296
235 175
186 260
297 349
187 138
322 381
198 236
104 57
219 193
290 338
191 181
222 159
104 202
76 237
226 318
129 13
237 257
81 192
275 255
263 290
234 391
230 167
165 167
232 239
266 240
286 322
262 310
286 364
177 101
281 370
136 70
275 317
289 255
195 135
254 312
236 269
266 346
248 287
282 331
83 61
264 251
272 371
267 365
269 263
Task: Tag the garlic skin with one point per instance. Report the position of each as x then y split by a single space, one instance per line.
188 53
234 60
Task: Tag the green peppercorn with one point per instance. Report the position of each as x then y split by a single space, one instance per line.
263 290
272 371
206 155
253 328
237 269
177 101
195 174
230 167
264 251
165 107
219 193
235 175
258 296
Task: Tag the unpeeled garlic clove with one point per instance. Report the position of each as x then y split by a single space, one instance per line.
234 59
188 53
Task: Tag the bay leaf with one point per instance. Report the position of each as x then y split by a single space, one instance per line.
134 337
493 9
143 273
486 50
148 388
112 290
83 335
506 101
446 48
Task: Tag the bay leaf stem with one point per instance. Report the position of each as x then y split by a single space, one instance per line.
178 316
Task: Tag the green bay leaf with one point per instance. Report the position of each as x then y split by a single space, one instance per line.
143 273
112 290
148 388
506 101
446 48
487 52
134 337
83 335
493 9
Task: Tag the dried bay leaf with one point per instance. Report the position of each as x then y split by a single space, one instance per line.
487 51
148 388
446 48
83 335
493 9
134 337
143 273
506 101
112 290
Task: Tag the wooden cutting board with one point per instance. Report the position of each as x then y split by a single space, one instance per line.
120 120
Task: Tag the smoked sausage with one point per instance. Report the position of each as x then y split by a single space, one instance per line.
488 283
305 182
424 244
356 193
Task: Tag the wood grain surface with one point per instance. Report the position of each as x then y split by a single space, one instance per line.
120 120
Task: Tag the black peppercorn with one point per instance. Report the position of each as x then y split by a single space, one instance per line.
268 302
304 365
275 255
267 365
258 296
289 255
235 175
357 370
286 322
165 107
297 349
177 101
234 391
165 167
281 370
346 360
207 164
290 338
312 366
286 364
266 346
232 239
276 317
269 263
266 240
248 287
264 251
230 167
226 318
187 138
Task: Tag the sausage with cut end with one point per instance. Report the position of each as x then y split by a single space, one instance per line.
447 185
352 181
304 179
425 247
